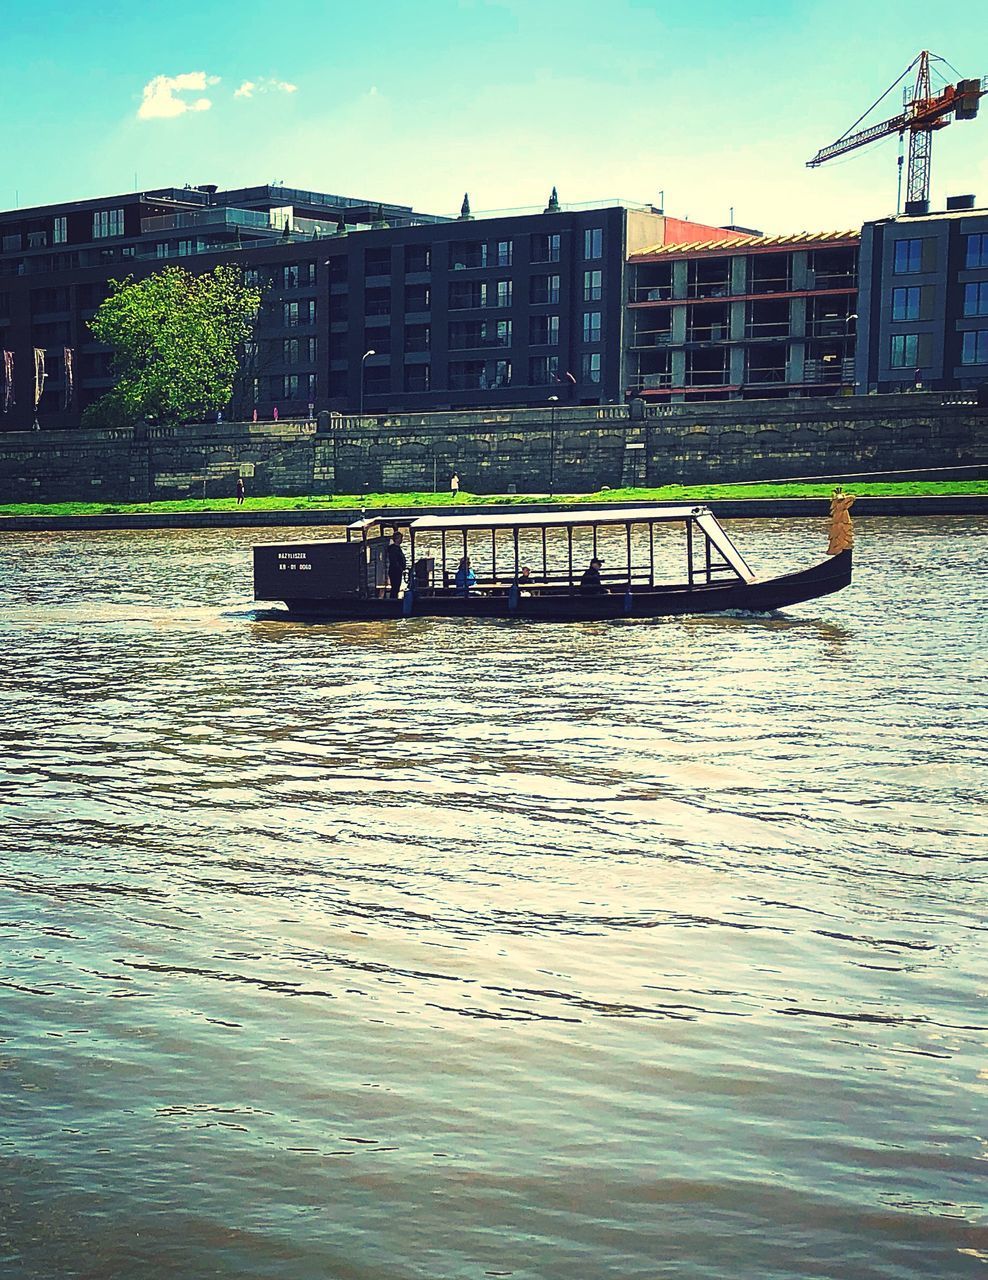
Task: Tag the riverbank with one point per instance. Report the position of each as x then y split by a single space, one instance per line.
906 498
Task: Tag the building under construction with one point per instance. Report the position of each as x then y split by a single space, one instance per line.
743 316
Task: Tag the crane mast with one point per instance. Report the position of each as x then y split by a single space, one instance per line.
923 112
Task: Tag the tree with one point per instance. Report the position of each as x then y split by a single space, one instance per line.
175 339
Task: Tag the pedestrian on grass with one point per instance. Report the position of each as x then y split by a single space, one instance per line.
454 485
240 491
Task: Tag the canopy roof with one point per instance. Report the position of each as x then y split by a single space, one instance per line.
558 519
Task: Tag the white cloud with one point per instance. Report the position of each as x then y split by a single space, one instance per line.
159 101
266 85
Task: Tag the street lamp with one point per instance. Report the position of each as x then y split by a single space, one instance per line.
553 401
363 361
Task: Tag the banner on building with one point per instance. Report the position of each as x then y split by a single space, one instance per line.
39 375
7 397
68 359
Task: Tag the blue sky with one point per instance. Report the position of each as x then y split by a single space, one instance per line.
717 104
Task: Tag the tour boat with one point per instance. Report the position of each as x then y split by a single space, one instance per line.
533 567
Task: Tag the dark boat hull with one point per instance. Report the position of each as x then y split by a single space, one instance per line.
762 596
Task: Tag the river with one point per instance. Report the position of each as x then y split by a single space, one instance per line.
440 950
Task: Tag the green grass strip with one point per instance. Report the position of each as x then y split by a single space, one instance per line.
374 501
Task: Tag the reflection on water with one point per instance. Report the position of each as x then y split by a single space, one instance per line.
450 949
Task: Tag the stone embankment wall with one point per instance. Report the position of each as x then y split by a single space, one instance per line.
569 450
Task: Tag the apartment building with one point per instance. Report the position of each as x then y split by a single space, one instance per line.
371 307
923 300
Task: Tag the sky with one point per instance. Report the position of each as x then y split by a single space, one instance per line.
716 105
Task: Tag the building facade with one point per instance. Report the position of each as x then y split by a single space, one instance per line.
365 306
743 316
923 300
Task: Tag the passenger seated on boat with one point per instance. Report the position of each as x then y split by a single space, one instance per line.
525 581
590 583
465 577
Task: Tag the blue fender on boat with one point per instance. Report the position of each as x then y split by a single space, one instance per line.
408 602
513 596
627 602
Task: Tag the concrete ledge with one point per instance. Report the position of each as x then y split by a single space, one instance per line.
734 509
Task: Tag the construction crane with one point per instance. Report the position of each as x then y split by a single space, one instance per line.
923 112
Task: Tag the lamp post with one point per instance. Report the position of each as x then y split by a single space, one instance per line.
363 362
853 315
553 400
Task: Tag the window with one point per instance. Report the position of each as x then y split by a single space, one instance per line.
290 351
418 377
905 303
162 249
464 334
378 302
338 269
590 368
591 326
418 297
974 349
908 256
544 289
311 349
108 222
418 337
591 286
470 375
543 331
289 311
377 262
977 251
60 231
543 370
467 293
467 253
976 299
905 350
310 386
289 386
185 247
545 248
11 243
37 239
593 243
503 293
289 277
309 273
418 257
504 253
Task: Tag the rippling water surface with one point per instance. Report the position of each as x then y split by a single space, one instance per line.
446 949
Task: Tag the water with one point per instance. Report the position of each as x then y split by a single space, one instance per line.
446 949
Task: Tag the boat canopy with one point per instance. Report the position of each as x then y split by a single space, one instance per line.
559 520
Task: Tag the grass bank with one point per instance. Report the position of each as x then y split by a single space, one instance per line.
371 501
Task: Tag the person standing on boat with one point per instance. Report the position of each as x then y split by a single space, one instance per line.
397 563
465 578
590 583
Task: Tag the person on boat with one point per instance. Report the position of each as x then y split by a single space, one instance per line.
397 563
465 577
525 577
590 583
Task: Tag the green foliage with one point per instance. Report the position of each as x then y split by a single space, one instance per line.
175 339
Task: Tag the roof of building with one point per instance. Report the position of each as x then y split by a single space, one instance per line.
796 240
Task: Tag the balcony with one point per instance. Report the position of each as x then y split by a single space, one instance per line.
651 338
650 293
